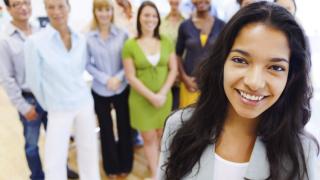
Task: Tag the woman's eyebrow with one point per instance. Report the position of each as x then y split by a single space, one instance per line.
279 60
245 53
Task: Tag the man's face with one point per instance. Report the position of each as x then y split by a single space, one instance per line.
20 10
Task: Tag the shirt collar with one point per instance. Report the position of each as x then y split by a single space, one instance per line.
12 30
113 32
52 32
258 165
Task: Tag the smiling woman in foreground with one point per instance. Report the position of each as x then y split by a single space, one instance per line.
255 101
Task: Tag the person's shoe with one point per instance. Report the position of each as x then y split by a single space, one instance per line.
112 176
123 175
72 174
137 140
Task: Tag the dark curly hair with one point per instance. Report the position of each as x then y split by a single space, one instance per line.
280 127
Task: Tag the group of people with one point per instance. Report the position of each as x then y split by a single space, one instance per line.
243 88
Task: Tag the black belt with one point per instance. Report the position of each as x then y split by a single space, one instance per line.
27 94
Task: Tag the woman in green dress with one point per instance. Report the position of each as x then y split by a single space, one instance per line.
151 68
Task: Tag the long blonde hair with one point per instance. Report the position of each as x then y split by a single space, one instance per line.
99 4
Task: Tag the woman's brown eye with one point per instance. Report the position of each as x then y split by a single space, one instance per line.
239 60
277 68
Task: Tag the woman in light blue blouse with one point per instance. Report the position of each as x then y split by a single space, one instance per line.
55 62
110 89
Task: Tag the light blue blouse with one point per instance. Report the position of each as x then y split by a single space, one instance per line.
104 60
55 74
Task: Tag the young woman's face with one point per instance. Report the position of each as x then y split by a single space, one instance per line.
287 4
103 15
256 69
148 19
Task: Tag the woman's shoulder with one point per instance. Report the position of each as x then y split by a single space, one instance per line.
165 39
309 144
131 42
311 153
177 118
187 23
219 21
117 31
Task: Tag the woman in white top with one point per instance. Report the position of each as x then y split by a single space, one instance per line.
254 103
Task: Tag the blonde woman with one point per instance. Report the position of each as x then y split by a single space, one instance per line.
110 89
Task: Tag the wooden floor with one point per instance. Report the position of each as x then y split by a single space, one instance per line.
12 159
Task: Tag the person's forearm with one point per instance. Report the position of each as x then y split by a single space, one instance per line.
172 75
181 70
137 85
101 76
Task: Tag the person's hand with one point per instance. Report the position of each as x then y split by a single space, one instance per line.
113 84
32 114
190 83
158 100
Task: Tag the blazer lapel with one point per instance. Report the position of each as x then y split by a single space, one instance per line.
258 168
206 166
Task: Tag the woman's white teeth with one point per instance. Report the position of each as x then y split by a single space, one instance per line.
250 97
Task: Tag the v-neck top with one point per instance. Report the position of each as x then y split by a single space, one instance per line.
143 115
153 58
55 74
189 43
145 71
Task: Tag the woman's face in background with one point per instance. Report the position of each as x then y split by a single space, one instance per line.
256 70
104 15
148 19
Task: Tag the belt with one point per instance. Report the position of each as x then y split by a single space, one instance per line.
27 94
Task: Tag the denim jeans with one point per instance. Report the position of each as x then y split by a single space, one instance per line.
31 131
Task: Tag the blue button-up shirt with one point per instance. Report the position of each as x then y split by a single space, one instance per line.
12 66
55 74
104 57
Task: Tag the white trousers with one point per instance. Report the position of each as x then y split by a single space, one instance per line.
60 125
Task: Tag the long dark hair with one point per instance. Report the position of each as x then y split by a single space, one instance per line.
156 32
280 127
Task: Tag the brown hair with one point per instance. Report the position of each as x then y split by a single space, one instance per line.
156 33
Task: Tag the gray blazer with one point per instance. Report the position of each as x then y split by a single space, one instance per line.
258 168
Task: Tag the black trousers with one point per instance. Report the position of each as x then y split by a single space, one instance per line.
117 156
